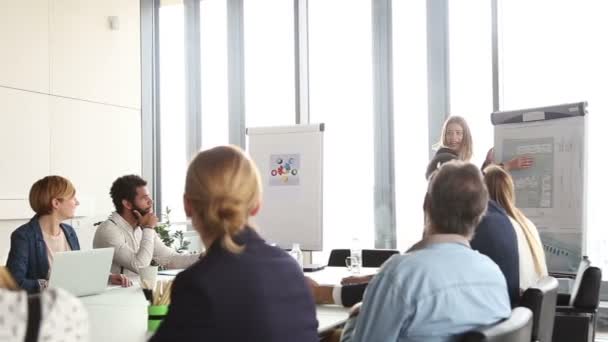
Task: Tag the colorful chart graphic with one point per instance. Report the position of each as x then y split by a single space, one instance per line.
284 169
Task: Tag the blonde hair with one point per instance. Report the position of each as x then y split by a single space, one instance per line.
7 281
502 190
48 188
466 149
224 186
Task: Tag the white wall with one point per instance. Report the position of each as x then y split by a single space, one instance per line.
70 95
24 57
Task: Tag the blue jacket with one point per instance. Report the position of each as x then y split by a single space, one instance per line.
495 237
27 259
257 295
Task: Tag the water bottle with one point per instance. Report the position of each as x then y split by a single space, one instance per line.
297 254
356 257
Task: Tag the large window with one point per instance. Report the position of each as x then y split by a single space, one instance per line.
269 63
471 70
172 107
214 73
553 52
341 97
410 117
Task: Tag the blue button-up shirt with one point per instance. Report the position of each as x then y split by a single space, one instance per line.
432 294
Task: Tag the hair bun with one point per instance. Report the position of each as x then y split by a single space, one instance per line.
230 213
227 210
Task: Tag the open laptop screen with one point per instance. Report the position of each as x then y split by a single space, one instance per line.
82 273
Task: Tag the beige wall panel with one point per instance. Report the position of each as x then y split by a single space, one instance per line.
88 59
24 61
93 144
24 141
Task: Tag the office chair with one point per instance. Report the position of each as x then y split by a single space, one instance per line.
541 299
371 257
337 257
516 328
576 314
376 257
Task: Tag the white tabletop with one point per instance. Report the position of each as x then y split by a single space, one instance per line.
121 314
117 315
334 275
332 316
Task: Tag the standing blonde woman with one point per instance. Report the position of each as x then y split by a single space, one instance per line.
456 135
532 262
54 315
242 289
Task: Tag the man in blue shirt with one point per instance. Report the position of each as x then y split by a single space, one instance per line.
443 288
494 237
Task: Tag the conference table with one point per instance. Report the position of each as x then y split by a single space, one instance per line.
333 316
121 314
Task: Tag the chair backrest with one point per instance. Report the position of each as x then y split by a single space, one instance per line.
587 295
376 257
516 328
582 267
541 299
371 257
337 257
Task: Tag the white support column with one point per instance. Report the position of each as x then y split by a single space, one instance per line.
438 67
301 61
236 73
150 114
496 89
192 62
384 165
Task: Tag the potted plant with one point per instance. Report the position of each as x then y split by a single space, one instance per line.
163 229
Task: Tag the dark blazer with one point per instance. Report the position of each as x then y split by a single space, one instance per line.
27 259
495 237
257 295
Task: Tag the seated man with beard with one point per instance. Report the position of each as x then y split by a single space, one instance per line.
130 230
444 287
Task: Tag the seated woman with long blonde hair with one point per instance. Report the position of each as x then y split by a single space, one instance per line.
242 289
532 262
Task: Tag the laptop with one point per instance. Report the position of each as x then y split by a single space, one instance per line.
82 273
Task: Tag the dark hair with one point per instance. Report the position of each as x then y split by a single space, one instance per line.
488 161
457 199
442 156
125 187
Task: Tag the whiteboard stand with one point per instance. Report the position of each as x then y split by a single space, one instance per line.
552 193
290 160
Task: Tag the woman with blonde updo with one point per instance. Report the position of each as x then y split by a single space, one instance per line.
532 263
242 289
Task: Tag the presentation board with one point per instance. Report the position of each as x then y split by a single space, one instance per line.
552 192
290 159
